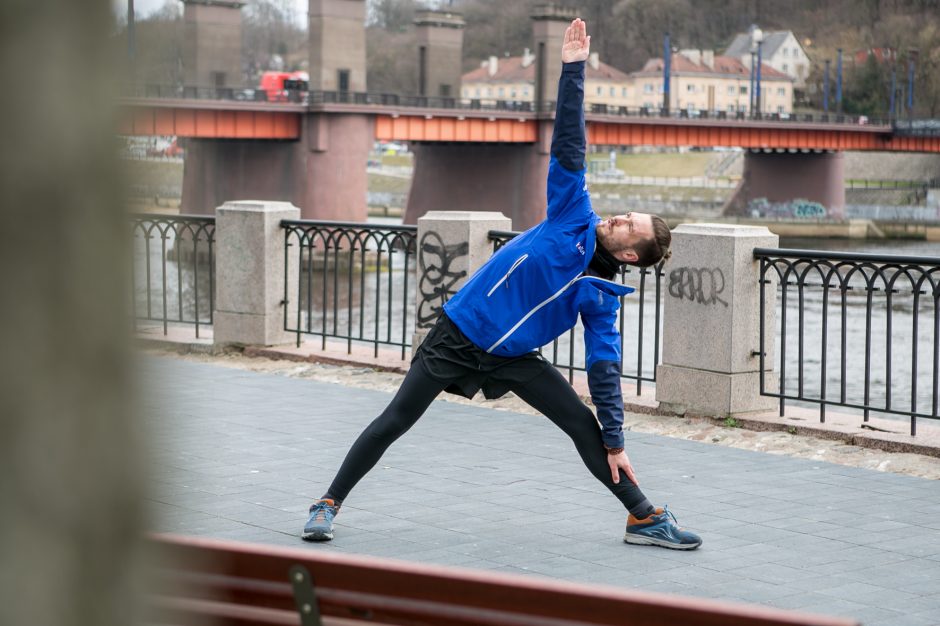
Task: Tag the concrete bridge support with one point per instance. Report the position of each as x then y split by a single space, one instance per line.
323 173
507 178
337 45
440 53
212 43
791 184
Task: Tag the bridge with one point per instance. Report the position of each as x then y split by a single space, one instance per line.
311 148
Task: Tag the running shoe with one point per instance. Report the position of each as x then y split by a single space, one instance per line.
660 529
320 524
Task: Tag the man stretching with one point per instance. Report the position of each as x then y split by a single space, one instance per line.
525 296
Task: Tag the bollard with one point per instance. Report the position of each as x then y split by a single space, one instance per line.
711 332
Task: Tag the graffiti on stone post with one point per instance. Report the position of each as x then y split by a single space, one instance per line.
437 280
703 285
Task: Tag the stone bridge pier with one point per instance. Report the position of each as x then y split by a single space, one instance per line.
801 182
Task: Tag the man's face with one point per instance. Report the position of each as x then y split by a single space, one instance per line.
621 234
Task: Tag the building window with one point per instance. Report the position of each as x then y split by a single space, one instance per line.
512 94
786 52
623 92
779 109
489 91
786 68
502 92
600 90
781 91
647 88
730 90
477 91
342 78
743 90
613 92
690 88
525 91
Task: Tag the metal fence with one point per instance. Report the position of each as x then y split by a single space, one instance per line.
640 336
173 270
350 281
865 335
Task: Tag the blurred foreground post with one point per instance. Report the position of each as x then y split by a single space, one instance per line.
70 479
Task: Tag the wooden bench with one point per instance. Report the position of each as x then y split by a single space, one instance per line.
213 582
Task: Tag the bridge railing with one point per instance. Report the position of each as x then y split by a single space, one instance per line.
172 271
865 335
640 335
312 98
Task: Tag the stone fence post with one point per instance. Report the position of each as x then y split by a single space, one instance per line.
249 307
711 334
452 245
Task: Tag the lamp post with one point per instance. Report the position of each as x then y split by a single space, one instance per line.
911 58
667 66
894 87
757 42
750 93
826 88
839 82
131 41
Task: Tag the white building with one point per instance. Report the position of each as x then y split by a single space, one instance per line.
780 50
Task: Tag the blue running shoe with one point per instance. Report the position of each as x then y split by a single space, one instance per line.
660 529
320 525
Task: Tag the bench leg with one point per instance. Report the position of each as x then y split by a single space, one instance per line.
304 596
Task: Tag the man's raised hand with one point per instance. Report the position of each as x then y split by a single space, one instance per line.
577 45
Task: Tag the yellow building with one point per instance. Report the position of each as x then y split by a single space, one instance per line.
700 81
513 79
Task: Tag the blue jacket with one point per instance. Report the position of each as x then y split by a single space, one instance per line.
535 287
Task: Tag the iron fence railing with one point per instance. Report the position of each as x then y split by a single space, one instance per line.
637 331
350 281
866 325
173 270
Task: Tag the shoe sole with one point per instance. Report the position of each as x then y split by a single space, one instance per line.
651 541
317 536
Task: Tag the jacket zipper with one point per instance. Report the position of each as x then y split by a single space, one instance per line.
541 304
506 275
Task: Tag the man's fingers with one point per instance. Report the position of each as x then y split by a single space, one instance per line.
615 474
631 475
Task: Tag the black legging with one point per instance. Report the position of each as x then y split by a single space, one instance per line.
549 393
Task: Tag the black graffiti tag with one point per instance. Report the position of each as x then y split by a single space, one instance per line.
702 284
437 280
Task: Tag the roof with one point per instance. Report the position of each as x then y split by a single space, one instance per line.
509 70
723 66
741 44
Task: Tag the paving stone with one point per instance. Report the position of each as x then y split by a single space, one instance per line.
240 455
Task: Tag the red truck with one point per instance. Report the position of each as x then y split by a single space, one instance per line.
284 86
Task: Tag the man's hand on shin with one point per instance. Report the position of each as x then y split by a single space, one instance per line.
619 462
577 44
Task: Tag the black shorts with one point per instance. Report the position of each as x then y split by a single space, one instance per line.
449 357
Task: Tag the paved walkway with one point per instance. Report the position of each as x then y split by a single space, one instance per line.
240 455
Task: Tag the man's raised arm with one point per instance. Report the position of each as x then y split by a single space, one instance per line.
568 138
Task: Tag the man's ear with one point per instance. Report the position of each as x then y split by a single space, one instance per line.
627 255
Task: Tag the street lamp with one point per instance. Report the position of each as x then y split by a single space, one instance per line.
757 41
911 59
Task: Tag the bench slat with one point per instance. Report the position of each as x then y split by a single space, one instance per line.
393 592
